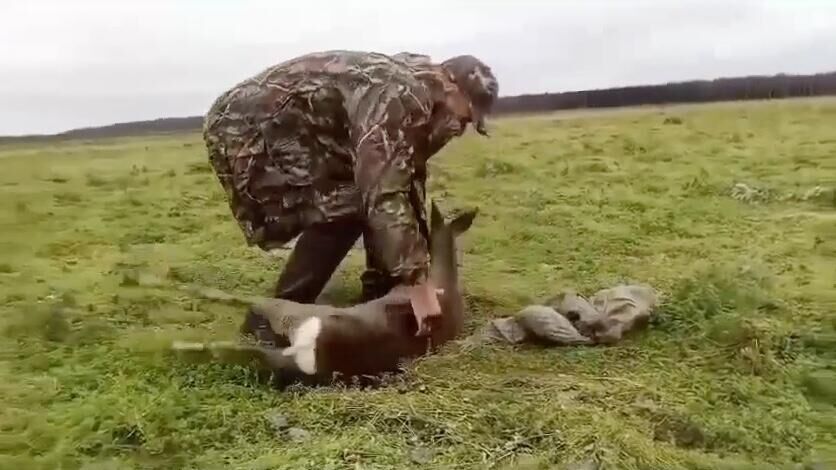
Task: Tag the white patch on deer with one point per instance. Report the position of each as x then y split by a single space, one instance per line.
303 345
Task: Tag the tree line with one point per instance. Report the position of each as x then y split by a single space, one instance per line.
695 91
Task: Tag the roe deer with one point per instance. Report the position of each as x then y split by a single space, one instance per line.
316 342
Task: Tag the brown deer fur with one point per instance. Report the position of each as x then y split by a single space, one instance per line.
319 341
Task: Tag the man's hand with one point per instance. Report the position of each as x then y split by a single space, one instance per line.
424 299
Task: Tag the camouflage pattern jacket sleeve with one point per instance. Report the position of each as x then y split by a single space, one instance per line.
390 181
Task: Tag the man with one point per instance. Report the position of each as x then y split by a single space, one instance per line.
333 145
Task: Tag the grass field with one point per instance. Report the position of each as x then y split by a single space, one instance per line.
736 371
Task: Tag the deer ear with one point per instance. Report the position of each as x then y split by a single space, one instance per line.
462 223
436 219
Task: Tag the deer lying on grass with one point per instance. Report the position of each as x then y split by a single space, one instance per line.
316 342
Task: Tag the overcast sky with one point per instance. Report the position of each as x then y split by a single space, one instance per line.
73 63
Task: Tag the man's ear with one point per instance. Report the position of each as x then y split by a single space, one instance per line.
462 223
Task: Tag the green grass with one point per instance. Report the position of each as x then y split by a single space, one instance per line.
735 372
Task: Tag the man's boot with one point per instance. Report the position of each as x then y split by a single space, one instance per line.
376 284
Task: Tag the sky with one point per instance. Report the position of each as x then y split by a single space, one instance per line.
74 63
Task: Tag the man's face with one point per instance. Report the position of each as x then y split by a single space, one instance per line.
462 109
450 119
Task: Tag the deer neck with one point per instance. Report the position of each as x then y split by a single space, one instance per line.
445 275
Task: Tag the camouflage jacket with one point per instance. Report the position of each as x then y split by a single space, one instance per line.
332 135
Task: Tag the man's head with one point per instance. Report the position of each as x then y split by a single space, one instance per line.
477 82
